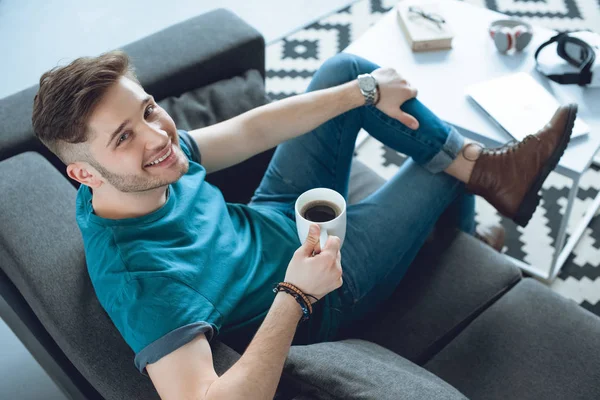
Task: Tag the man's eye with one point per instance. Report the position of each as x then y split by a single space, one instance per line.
149 110
122 138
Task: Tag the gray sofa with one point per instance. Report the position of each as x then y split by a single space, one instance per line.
464 323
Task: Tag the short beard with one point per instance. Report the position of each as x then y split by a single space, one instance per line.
133 183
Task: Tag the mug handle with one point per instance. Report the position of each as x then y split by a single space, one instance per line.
323 238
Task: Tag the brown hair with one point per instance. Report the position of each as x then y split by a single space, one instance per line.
67 97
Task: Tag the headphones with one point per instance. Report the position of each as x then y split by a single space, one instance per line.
510 33
579 50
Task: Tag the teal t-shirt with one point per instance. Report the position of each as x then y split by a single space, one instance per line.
197 264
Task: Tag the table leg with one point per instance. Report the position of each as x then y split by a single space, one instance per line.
562 233
577 234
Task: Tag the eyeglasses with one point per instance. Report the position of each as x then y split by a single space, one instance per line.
435 18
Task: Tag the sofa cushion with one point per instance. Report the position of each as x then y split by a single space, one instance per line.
452 280
355 369
218 102
41 251
531 344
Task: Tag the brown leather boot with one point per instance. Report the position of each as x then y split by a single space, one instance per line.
492 235
510 177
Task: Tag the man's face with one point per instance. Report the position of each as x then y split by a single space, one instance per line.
134 143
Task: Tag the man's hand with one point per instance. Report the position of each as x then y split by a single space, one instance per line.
393 92
319 274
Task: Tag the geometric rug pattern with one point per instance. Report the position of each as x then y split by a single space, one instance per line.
292 61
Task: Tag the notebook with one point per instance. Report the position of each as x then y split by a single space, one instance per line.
424 26
519 104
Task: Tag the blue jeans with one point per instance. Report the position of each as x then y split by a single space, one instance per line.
385 230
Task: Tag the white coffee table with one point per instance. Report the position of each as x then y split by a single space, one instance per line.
441 78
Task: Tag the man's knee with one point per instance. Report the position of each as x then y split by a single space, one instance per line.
336 70
341 62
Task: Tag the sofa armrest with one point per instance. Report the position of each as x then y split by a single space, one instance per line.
357 369
193 53
532 344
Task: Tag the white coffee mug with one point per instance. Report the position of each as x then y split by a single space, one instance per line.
334 227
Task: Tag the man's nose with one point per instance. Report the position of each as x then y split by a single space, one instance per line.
156 137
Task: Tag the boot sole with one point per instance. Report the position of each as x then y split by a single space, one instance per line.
532 197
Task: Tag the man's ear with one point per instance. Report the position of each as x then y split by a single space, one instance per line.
84 174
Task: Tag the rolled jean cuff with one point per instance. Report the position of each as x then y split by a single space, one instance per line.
442 160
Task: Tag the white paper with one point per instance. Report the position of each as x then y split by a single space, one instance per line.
519 104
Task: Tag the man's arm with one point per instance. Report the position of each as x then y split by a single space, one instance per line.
188 372
256 374
237 139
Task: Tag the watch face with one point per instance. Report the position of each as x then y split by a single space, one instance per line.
367 83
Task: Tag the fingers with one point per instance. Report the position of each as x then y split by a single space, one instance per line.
413 92
332 251
338 265
317 247
338 260
397 89
408 120
410 92
312 241
333 244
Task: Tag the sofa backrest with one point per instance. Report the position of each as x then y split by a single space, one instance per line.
194 53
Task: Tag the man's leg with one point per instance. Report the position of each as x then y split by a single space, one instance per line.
508 178
322 157
386 230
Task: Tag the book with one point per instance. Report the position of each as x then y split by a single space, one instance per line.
519 104
424 27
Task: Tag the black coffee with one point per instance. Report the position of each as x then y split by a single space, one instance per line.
320 211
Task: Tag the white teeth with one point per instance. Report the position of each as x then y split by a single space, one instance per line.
162 158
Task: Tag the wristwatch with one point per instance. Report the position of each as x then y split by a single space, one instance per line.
369 88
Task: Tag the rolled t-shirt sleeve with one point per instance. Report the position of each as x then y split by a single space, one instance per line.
157 315
189 146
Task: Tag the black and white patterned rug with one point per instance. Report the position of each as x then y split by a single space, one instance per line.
293 60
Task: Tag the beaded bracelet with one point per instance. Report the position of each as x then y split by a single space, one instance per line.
300 292
293 290
298 295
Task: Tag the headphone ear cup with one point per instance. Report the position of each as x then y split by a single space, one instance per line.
522 37
503 39
492 31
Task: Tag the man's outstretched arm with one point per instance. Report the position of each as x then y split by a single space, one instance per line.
237 139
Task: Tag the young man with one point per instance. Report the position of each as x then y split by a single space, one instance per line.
174 265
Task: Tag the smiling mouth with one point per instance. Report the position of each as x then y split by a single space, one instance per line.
161 159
